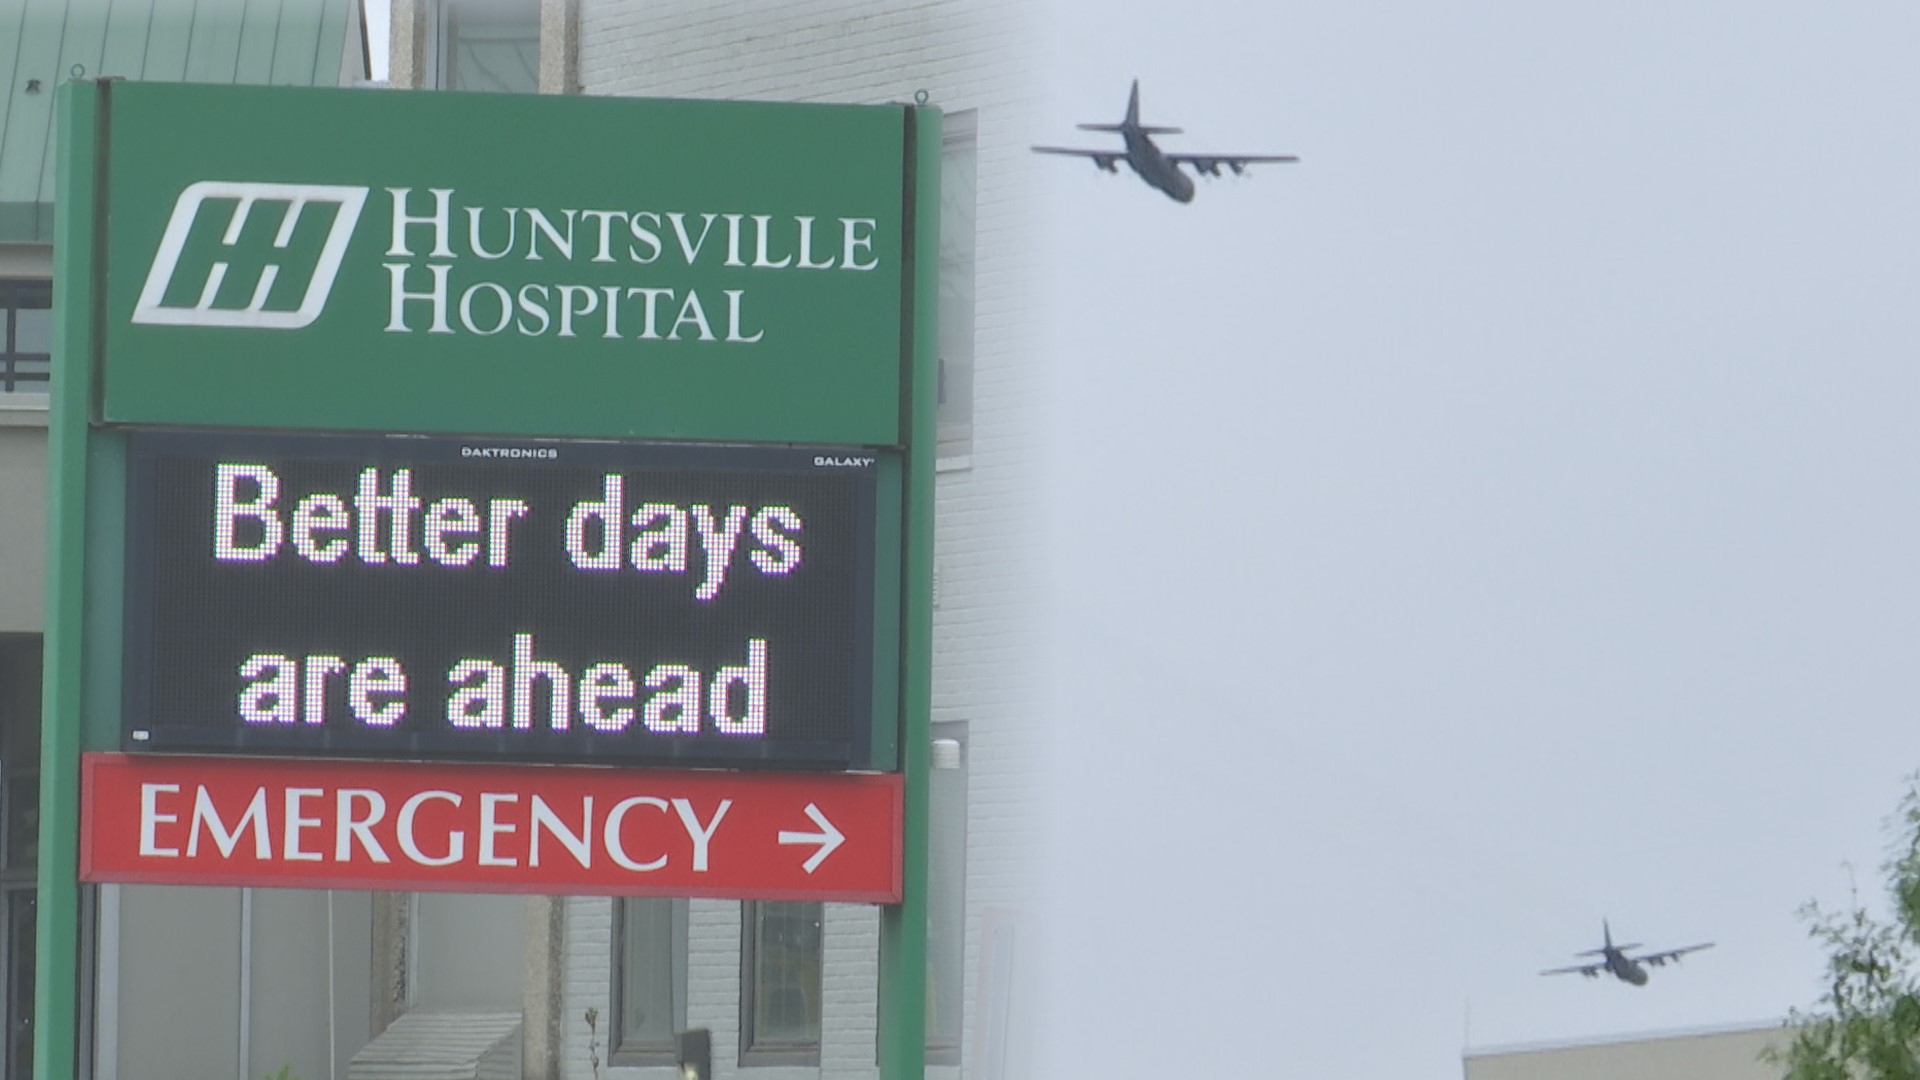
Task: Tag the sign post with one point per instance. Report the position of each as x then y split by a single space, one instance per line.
428 516
68 694
903 926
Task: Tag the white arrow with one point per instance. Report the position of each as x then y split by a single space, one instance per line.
828 838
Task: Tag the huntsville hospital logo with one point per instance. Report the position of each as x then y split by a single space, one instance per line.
151 307
434 239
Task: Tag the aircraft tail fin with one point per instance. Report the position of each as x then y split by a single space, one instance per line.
1133 115
1132 122
1606 935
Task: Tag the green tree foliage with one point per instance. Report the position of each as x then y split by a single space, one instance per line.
1867 1023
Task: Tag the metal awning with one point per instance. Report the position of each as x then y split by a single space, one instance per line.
248 42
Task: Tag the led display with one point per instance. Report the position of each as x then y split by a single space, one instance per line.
448 598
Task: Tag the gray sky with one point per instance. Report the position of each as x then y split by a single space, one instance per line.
379 15
1502 520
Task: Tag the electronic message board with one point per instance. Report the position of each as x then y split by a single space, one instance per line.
523 600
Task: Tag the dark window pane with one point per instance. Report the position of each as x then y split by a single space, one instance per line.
33 330
646 974
26 335
491 45
19 752
786 975
20 953
23 822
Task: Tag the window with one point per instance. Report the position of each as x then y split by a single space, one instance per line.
780 983
26 336
958 157
946 901
649 979
19 841
491 45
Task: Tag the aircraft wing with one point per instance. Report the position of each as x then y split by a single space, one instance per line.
1660 958
1589 970
1209 164
1105 159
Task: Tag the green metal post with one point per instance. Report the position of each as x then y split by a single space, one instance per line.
75 270
903 926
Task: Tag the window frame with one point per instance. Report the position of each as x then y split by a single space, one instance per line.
953 441
13 290
944 1049
444 19
21 656
645 1053
754 1051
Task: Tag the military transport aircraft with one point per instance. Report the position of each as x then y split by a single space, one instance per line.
1614 959
1155 166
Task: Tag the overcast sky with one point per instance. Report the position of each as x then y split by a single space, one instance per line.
1503 520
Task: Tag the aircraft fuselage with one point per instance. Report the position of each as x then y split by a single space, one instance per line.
1152 166
1624 969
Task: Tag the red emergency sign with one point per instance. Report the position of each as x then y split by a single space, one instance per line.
331 824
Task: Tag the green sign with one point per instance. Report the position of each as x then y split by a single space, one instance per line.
517 271
379 260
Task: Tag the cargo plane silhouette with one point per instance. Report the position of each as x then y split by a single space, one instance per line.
1615 961
1156 166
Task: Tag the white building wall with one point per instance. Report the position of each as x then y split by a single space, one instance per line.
1717 1054
965 55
